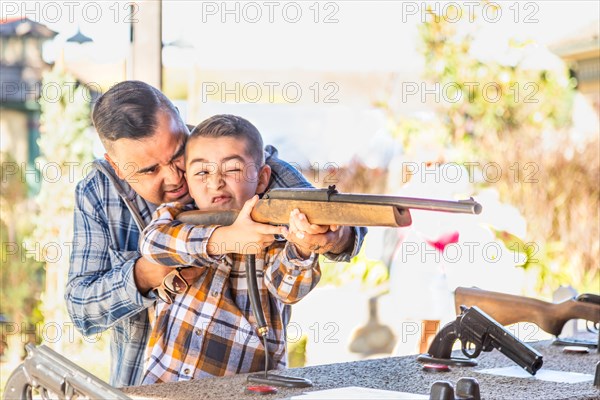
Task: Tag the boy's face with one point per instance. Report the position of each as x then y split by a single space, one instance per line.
221 175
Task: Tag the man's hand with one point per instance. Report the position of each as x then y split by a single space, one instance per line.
245 236
318 238
148 275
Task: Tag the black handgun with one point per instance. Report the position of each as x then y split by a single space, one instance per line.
479 332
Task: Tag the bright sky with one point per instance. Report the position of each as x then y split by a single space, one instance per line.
325 35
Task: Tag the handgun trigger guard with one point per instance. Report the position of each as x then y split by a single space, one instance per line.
457 361
475 354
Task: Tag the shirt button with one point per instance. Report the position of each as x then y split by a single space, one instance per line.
198 331
186 371
290 278
214 293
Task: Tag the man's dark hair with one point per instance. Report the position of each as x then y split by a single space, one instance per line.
129 110
226 125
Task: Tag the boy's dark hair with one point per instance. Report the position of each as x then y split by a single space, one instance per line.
226 125
129 110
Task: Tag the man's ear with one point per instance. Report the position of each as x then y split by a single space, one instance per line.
264 176
114 166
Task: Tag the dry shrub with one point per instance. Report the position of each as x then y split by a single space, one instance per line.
560 202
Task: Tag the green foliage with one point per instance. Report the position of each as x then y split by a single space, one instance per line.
65 153
369 273
493 100
21 278
515 112
297 352
539 258
65 150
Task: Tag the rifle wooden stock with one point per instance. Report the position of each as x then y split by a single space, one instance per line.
509 309
328 207
277 212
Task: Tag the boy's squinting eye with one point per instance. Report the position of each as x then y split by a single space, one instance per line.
201 173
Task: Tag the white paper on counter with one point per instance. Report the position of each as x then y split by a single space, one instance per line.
358 393
543 374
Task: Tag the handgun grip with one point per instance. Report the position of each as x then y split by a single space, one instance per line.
441 346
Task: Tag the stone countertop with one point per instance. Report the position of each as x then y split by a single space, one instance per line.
402 374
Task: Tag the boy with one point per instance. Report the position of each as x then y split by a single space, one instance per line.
210 330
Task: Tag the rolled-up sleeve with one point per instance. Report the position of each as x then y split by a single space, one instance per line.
288 276
168 242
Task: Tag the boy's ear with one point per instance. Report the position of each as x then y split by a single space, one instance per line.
114 165
264 176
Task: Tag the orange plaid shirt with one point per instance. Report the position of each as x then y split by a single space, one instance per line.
210 330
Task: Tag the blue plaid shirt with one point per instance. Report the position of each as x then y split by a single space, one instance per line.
101 291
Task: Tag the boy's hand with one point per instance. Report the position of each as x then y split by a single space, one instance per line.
245 236
317 238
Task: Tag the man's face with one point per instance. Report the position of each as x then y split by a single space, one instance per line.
221 174
154 166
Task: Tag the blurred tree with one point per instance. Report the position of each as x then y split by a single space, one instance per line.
517 118
21 278
65 152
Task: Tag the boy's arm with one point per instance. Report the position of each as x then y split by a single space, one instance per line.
346 243
172 243
168 242
289 275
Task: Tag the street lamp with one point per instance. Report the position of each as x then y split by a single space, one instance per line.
79 38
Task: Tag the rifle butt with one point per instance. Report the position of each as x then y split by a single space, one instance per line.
509 309
208 218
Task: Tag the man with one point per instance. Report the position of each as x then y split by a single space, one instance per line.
109 284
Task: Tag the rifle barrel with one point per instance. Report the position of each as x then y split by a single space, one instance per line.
469 206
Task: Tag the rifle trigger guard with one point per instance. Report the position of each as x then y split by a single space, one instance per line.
463 348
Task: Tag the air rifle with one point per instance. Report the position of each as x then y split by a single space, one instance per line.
49 372
475 327
329 207
509 309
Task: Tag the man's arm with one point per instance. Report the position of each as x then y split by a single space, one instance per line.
340 245
101 287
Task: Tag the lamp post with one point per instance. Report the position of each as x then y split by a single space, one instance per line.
79 38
